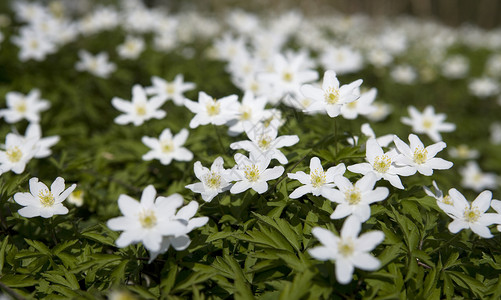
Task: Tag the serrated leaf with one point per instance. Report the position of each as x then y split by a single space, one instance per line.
39 246
15 281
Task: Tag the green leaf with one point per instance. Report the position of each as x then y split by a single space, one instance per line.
2 252
14 281
39 246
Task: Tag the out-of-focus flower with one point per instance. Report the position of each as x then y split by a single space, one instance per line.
97 65
342 60
33 45
484 87
170 90
21 106
463 151
474 178
76 198
455 67
382 110
18 152
404 74
140 109
362 106
428 122
131 48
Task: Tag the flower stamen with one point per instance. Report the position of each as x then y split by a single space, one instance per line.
382 163
46 198
252 173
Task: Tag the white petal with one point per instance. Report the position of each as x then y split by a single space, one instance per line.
367 262
351 227
483 201
321 253
29 211
344 271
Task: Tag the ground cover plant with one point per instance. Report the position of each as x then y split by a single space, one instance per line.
151 154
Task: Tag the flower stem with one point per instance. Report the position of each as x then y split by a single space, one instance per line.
219 138
52 230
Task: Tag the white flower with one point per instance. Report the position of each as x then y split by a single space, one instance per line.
140 109
495 136
418 157
289 73
181 242
250 112
253 173
484 87
18 152
212 111
24 107
463 151
41 146
263 141
348 250
148 221
331 97
318 182
354 199
382 164
382 110
472 216
166 147
404 74
97 65
213 181
342 60
455 67
428 122
76 197
496 205
131 48
444 202
361 106
474 178
170 90
33 44
41 201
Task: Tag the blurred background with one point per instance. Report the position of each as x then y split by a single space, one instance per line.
484 13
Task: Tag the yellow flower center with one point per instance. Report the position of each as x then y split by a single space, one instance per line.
140 109
447 200
463 151
246 112
264 142
382 163
147 218
131 46
251 173
346 248
332 95
213 180
317 178
93 65
213 108
287 76
353 196
420 156
46 198
352 105
471 215
14 154
21 107
427 124
254 87
167 146
170 89
34 44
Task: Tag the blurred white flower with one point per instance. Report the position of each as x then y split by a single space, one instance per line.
495 130
41 145
342 60
464 151
76 198
170 90
250 112
362 106
168 147
18 152
21 106
131 47
139 109
455 67
484 87
428 122
33 45
474 178
348 250
382 110
41 201
404 74
97 65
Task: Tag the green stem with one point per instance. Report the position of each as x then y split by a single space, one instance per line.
52 230
219 139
